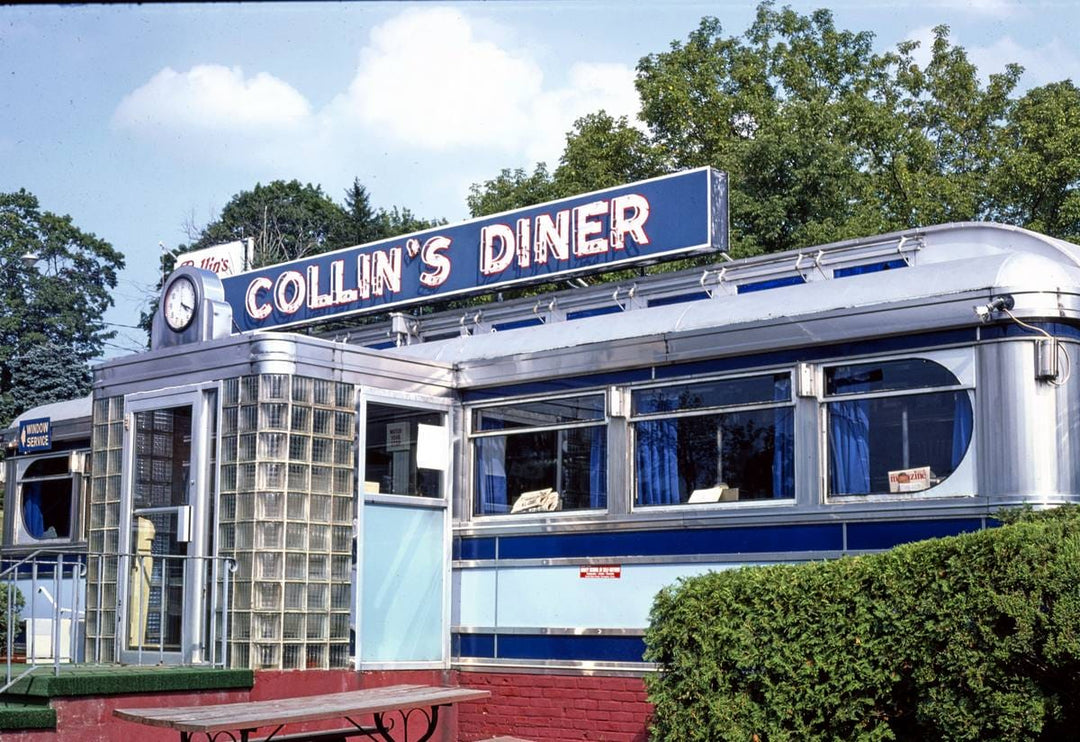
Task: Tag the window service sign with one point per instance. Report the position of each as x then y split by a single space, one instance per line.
642 222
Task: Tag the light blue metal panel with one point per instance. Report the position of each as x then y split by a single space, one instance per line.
403 561
559 597
475 591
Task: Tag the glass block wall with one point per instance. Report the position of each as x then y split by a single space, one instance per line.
288 451
106 443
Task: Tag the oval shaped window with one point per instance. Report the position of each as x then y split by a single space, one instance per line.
888 443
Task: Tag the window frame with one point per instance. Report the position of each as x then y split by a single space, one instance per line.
960 363
604 422
789 403
407 400
20 535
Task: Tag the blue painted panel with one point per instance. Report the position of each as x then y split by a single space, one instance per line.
402 591
737 540
596 648
859 270
597 312
645 221
886 535
517 324
680 299
740 540
1012 330
772 283
473 645
474 548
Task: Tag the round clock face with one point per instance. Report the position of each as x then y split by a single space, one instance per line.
179 306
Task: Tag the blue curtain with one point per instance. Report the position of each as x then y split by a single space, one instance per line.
33 517
962 424
783 472
849 447
598 468
657 455
491 470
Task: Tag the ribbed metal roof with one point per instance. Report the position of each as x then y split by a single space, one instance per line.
952 259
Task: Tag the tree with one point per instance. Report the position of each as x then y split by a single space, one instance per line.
1038 182
360 225
287 220
511 189
52 313
602 152
825 138
398 221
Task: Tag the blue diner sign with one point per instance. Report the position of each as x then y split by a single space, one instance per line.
35 435
642 222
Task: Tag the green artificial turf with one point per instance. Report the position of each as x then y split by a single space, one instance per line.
15 715
106 680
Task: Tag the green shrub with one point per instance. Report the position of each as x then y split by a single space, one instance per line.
966 638
15 627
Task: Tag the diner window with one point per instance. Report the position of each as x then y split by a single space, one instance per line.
540 456
47 499
725 440
406 451
894 426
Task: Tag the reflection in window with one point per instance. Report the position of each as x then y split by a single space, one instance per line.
541 456
162 458
687 451
47 488
404 451
896 443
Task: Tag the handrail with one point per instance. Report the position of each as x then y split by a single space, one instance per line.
26 559
66 597
73 571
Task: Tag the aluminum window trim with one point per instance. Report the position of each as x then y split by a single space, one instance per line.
787 370
703 411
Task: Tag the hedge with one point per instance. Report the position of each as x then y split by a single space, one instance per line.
971 637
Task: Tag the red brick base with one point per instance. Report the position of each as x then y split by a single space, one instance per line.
545 708
555 708
90 718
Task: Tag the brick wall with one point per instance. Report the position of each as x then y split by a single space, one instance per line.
90 718
555 708
545 708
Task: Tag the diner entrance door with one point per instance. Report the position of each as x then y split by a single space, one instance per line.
402 584
164 537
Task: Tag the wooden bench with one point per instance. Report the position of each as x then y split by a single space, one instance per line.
238 722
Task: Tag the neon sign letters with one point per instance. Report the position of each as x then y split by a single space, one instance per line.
647 221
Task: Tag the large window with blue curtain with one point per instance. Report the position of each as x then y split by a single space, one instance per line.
540 456
714 441
894 427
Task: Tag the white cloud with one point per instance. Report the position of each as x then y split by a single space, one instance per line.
426 81
925 51
1046 63
429 82
211 98
993 8
591 87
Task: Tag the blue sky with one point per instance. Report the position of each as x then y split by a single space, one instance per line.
142 121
